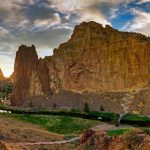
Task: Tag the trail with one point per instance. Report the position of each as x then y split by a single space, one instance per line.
126 102
108 126
50 143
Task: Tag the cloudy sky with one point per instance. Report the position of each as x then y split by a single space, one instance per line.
47 23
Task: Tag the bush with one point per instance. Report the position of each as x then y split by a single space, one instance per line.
54 106
133 140
75 110
102 108
117 132
86 107
147 130
30 104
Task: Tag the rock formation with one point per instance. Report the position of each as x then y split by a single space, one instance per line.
1 75
96 140
26 83
11 78
94 65
3 146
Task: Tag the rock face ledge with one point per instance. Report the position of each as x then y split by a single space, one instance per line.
95 60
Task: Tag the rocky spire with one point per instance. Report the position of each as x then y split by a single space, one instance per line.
25 75
1 75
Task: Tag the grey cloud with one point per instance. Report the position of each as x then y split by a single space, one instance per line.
42 39
38 10
45 42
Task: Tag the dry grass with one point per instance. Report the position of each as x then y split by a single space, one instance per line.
15 131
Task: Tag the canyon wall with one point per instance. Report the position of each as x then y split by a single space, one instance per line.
94 61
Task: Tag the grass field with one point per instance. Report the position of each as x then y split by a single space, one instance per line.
56 124
118 132
106 116
123 131
147 130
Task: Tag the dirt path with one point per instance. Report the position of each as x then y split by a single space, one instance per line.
51 143
108 126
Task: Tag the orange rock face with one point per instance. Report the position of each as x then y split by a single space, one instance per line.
1 75
102 59
93 60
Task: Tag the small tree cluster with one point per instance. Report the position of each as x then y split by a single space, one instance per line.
86 107
102 108
30 103
54 106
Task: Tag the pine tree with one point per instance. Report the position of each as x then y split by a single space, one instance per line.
86 107
102 108
54 106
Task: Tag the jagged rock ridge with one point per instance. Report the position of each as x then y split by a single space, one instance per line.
94 60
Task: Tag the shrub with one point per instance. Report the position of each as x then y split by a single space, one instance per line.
147 130
133 140
30 103
86 107
75 110
54 106
102 108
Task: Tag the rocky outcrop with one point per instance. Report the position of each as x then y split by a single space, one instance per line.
141 101
11 78
102 59
1 75
26 80
95 62
3 146
96 140
43 73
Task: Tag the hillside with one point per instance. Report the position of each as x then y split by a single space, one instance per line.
26 132
131 140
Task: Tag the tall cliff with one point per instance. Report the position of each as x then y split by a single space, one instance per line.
95 60
102 59
26 80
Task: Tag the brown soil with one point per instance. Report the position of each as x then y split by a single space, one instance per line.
16 131
41 147
108 126
14 135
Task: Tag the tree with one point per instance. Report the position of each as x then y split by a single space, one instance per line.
54 106
30 103
102 108
86 107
